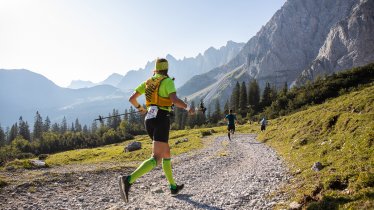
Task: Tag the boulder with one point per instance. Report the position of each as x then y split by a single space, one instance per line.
133 146
38 163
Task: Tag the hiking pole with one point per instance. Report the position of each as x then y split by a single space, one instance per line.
101 118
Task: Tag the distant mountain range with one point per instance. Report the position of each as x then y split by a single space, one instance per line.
302 40
113 80
23 92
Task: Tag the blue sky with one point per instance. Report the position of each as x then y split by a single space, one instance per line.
67 40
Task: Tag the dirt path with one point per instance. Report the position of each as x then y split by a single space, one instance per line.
240 174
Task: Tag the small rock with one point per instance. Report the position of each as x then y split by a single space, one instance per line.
295 205
80 178
157 190
317 166
105 200
80 199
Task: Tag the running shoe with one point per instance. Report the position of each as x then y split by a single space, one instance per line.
124 187
176 191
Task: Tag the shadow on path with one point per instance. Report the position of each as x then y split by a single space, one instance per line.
186 198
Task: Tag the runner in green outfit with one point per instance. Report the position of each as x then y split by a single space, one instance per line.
160 94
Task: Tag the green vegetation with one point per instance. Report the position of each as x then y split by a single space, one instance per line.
3 183
340 135
115 152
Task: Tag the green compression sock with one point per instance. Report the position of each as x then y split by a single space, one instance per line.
166 166
144 168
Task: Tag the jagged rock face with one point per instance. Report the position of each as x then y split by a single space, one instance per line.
292 38
287 45
349 43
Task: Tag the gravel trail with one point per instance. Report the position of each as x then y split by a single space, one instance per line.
237 174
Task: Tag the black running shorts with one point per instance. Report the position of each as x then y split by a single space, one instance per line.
231 127
158 128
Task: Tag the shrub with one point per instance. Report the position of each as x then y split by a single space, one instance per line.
3 183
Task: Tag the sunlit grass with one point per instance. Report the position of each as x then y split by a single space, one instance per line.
339 134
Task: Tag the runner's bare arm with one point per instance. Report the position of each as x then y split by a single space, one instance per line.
178 102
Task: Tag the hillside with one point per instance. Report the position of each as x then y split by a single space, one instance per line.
339 134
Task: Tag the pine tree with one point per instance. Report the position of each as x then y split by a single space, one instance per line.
72 127
47 124
94 127
77 126
243 100
285 89
24 130
254 96
266 96
217 114
64 126
126 116
227 107
116 119
13 133
38 126
235 97
55 128
2 137
85 129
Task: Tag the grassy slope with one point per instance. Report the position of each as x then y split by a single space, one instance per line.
340 135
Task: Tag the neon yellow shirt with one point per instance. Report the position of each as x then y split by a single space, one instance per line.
167 86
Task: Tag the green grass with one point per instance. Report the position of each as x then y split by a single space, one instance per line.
339 134
115 152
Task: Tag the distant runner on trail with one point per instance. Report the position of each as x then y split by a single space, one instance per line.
231 123
160 94
263 124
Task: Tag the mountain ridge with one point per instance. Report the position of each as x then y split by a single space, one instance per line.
280 51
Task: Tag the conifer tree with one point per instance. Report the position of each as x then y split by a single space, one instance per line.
235 97
55 128
285 89
13 133
47 124
217 114
94 127
266 96
64 126
72 127
254 95
24 130
2 137
116 120
77 126
226 107
243 100
85 129
38 126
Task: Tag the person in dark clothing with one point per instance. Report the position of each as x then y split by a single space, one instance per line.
231 118
263 124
